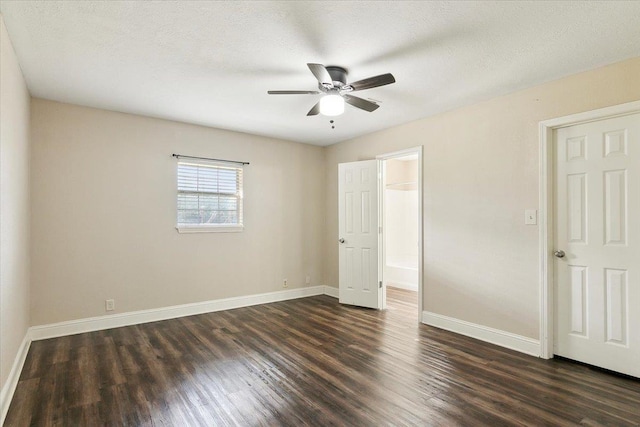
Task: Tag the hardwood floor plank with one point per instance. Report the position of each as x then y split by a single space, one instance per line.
309 362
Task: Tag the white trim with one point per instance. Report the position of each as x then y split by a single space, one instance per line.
515 342
381 168
153 315
593 115
332 291
184 229
6 395
546 209
545 240
401 153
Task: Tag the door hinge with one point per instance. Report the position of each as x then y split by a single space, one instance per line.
380 230
380 284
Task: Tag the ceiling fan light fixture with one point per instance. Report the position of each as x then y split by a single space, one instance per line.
332 83
331 105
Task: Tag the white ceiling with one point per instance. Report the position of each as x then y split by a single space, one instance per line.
211 63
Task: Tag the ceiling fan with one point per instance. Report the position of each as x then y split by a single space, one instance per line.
332 81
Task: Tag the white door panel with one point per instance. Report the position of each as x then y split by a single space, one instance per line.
358 233
597 220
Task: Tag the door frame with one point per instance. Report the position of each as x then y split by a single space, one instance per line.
381 244
547 208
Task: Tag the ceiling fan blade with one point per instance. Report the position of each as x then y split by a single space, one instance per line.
321 73
315 110
363 104
293 92
371 82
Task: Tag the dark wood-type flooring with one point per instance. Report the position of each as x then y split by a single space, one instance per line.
309 361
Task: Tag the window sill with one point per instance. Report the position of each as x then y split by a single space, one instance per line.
210 229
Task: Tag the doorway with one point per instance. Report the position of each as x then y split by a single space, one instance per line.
590 204
400 242
364 270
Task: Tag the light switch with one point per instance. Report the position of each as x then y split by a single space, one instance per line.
530 217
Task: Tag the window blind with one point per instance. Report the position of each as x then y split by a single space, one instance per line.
209 194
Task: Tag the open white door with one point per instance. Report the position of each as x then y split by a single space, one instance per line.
597 242
358 234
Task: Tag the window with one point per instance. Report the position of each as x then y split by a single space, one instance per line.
209 196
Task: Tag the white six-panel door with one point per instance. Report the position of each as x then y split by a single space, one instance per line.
358 234
597 220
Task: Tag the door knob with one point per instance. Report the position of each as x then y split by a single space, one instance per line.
559 254
341 240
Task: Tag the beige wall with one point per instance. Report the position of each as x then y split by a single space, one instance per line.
103 202
14 210
480 173
103 198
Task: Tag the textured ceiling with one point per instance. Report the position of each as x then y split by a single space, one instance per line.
211 63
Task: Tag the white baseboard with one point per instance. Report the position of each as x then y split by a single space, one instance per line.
6 394
144 316
494 336
332 292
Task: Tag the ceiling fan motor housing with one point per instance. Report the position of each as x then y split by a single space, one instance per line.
338 75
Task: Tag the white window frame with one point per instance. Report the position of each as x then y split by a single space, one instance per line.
206 227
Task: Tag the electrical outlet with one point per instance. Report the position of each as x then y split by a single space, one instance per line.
109 305
284 283
308 280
